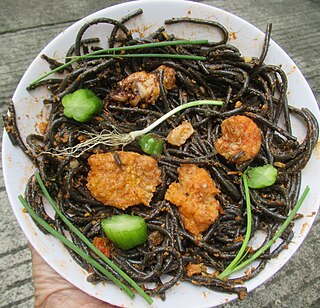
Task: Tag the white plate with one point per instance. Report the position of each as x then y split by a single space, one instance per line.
17 168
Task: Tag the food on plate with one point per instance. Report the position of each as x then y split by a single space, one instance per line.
130 179
138 87
103 244
184 179
81 105
151 144
240 140
125 231
179 135
143 87
261 177
194 195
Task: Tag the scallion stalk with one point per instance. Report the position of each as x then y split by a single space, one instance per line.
260 251
89 244
151 45
175 110
75 248
148 55
238 264
115 138
99 53
230 268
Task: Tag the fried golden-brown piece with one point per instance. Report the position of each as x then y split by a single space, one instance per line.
138 87
143 87
194 195
195 268
240 140
131 183
180 134
169 77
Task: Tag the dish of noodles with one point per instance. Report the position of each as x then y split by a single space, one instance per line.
186 178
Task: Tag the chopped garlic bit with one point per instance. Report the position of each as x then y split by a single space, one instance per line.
180 134
74 163
238 104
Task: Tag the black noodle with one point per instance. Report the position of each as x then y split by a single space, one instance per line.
247 87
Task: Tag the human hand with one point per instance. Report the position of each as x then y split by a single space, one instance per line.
52 291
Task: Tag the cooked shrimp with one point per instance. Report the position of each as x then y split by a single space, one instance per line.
143 87
180 134
240 140
194 195
138 87
122 185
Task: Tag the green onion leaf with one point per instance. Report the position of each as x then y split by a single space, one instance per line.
145 55
237 263
230 268
124 48
260 251
261 177
75 248
125 231
89 244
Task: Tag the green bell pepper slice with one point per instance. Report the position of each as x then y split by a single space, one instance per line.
82 105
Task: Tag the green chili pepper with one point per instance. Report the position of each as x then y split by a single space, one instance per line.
81 105
151 144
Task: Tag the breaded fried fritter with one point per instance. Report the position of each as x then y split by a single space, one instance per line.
240 140
194 195
122 185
